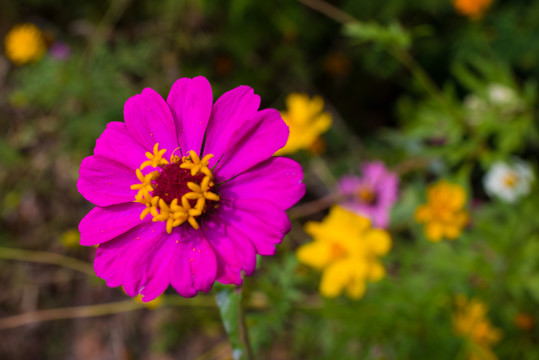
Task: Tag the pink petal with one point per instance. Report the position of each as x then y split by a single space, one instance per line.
238 136
228 115
233 250
373 172
259 138
278 180
190 101
104 182
103 224
348 184
116 143
260 221
195 266
149 263
150 121
388 190
380 217
138 260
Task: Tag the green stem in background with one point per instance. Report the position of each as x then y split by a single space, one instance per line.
45 257
229 303
399 53
419 73
104 28
329 10
74 312
315 206
320 204
462 353
408 61
69 313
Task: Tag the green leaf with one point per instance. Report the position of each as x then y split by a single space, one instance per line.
229 303
392 35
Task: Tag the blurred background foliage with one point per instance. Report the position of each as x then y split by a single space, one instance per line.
410 82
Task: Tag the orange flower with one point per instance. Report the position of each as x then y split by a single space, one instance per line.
444 215
471 322
24 43
524 321
472 8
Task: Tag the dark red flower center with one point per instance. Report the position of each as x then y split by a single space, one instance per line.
180 191
172 182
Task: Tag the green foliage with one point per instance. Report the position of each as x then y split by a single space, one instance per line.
431 93
390 36
228 301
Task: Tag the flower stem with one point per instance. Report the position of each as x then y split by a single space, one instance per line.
74 312
98 310
229 303
327 201
408 61
399 53
244 334
45 257
69 313
315 206
329 10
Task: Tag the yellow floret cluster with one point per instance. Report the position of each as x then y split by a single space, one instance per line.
306 122
346 249
472 8
443 214
24 43
177 211
470 321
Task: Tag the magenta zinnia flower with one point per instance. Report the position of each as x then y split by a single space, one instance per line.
186 191
372 195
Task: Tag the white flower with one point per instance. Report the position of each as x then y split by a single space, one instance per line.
508 182
475 108
502 95
500 102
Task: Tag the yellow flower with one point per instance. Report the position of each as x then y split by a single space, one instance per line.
470 321
154 304
306 122
443 214
472 8
346 250
70 238
24 43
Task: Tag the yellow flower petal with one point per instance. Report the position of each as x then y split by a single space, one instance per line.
356 288
335 278
378 241
305 120
470 321
376 272
443 214
316 254
346 249
422 213
452 232
434 231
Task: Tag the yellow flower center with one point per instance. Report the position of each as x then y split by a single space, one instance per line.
181 191
364 194
24 43
337 251
511 180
